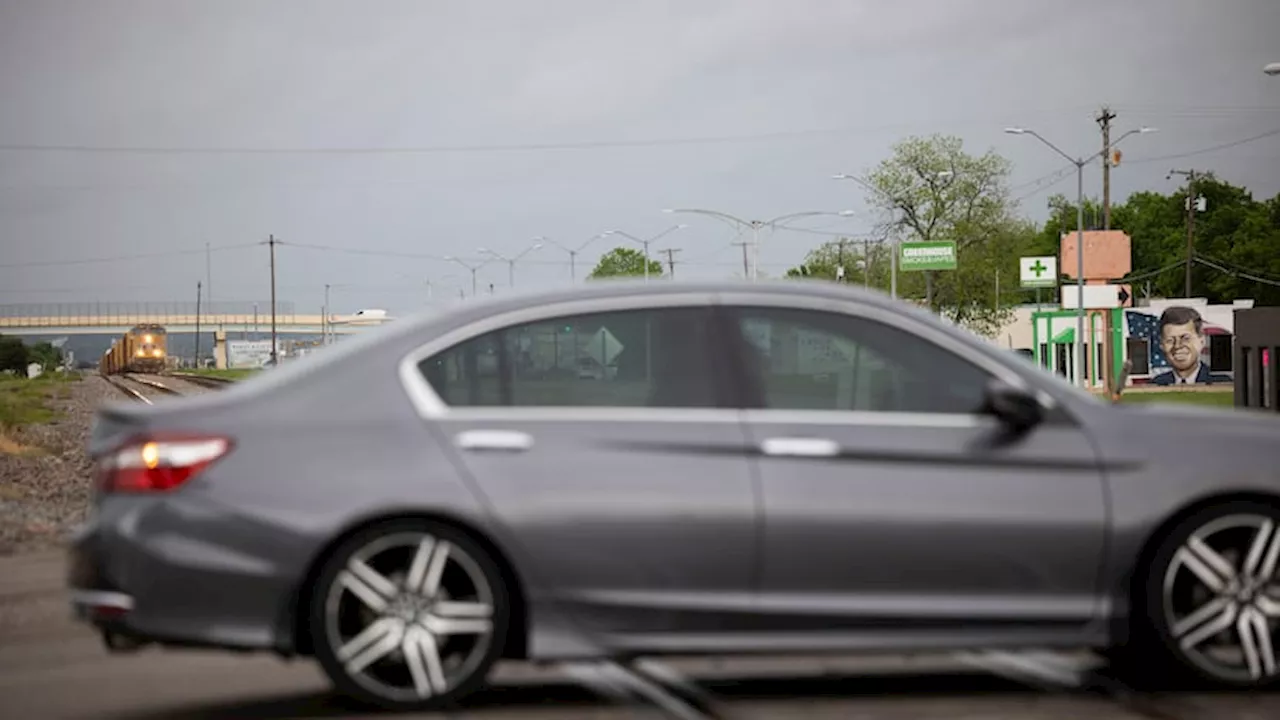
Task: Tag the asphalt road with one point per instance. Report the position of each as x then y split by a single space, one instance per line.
51 667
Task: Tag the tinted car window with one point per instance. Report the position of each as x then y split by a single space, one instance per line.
467 374
634 358
807 360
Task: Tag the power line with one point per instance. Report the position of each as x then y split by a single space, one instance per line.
471 148
1042 178
125 258
1234 273
1233 266
363 251
1212 148
1148 274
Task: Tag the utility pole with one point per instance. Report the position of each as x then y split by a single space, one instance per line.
1192 199
671 260
198 293
746 269
324 324
840 261
208 276
1104 121
866 263
271 242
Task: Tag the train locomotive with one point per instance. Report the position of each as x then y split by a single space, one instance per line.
144 349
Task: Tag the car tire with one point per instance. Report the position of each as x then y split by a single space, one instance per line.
1212 600
409 615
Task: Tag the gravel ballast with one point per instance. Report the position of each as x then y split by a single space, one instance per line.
44 480
44 488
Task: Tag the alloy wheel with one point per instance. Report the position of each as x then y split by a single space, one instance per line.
410 617
1221 598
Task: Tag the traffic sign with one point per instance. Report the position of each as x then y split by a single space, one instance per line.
1038 272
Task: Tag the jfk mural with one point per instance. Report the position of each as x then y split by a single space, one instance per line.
1180 334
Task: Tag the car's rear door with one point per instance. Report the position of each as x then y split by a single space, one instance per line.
628 493
891 501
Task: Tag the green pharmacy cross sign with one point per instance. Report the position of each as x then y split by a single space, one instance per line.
927 256
1038 272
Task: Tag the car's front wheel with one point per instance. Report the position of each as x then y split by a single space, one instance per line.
408 615
1212 596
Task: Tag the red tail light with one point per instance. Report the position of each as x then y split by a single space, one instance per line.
158 465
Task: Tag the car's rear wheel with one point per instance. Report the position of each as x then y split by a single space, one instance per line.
408 615
1212 595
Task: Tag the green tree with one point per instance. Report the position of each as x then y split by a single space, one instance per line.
865 263
46 354
624 262
13 355
932 190
1236 251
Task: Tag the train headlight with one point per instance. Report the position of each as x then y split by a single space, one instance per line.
140 353
147 339
157 353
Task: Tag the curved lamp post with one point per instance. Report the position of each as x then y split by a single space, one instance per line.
573 252
511 261
755 225
1079 163
645 243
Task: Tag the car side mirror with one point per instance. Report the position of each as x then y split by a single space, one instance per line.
1016 407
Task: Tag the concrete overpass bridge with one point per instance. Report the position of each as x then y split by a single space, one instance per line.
118 318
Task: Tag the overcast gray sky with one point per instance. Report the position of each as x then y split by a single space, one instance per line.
560 118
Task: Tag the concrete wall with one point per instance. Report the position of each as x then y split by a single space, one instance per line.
1016 334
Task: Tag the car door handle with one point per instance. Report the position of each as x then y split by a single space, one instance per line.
508 440
800 447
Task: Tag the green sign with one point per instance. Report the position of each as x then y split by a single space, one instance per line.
1037 272
927 256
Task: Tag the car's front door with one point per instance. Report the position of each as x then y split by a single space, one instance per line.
628 490
892 502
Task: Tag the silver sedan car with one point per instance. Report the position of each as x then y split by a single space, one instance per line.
772 467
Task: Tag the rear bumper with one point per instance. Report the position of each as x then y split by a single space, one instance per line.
94 598
139 577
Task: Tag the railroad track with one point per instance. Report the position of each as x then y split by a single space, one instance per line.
153 384
122 383
208 381
131 393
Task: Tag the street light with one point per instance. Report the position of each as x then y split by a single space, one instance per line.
511 261
645 243
573 252
469 266
429 283
893 252
1272 68
1079 163
755 226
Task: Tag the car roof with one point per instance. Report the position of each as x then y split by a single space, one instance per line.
613 288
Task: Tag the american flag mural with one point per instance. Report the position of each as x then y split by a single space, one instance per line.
1145 325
